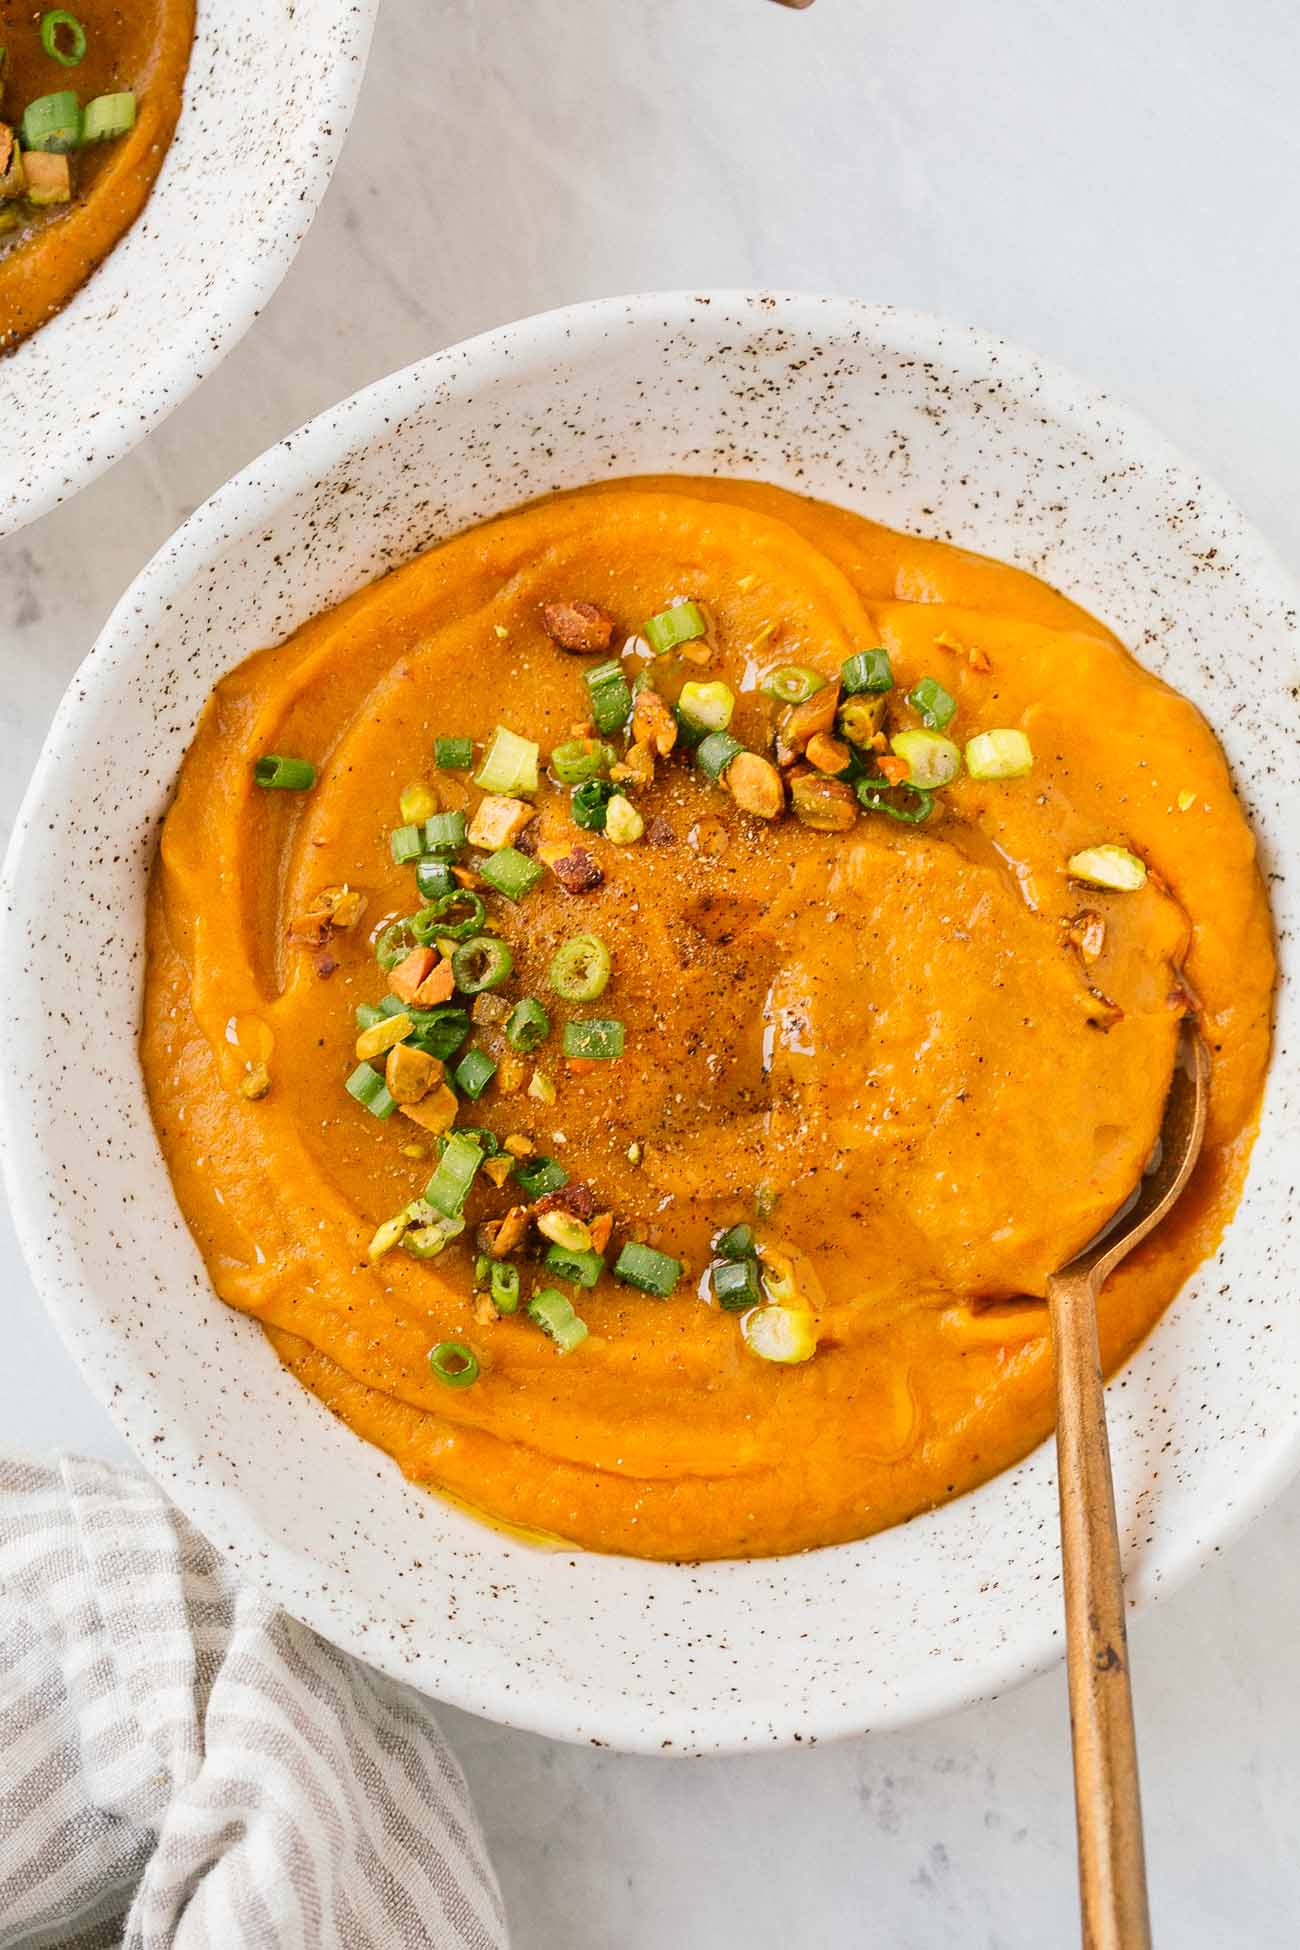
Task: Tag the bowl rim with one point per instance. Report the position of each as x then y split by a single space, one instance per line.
244 284
241 507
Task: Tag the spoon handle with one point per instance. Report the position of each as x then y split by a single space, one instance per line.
1108 1809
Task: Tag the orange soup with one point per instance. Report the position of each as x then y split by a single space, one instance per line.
88 102
641 998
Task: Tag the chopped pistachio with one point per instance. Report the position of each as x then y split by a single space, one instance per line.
417 804
623 823
391 1030
387 1236
565 1230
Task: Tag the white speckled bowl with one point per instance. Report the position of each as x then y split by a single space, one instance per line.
928 426
268 99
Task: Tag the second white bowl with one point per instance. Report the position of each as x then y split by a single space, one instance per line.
269 96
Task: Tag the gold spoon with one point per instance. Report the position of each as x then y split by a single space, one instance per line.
1108 1809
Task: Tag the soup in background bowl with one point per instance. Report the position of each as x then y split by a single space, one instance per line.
925 428
115 304
88 103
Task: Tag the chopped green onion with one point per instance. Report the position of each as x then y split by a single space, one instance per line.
736 1243
999 755
580 759
683 623
449 1187
883 799
454 1364
650 1271
736 1286
590 804
580 969
60 23
716 753
474 1073
596 1037
611 699
528 1026
932 759
434 878
582 1267
444 835
453 754
511 872
1113 867
108 116
462 902
369 1089
538 1176
706 707
935 706
424 926
394 943
406 843
867 670
509 763
427 1241
278 774
53 123
439 1032
481 963
503 1285
554 1314
487 1141
369 1013
792 683
784 1334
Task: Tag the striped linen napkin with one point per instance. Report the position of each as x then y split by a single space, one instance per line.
183 1767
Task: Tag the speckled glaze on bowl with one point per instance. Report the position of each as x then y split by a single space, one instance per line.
268 98
931 427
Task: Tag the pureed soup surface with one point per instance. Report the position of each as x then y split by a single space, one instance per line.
922 1061
48 250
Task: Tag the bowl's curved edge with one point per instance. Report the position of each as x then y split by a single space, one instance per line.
286 467
214 334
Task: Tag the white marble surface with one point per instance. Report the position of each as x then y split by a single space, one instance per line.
1112 186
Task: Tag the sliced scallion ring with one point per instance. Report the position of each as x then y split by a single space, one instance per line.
482 962
792 683
580 969
882 798
63 37
932 760
108 116
464 903
999 755
276 774
454 1364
